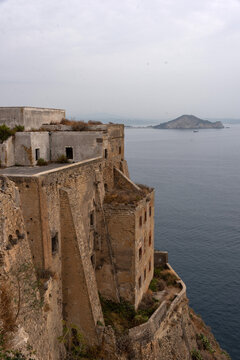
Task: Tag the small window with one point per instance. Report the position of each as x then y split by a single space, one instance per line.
105 187
150 239
140 282
69 152
150 211
120 150
150 265
105 153
140 253
145 274
92 218
55 244
145 216
37 154
140 221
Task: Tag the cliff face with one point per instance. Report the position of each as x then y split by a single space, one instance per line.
174 332
182 336
189 122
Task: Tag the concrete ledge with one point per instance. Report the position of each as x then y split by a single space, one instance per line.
23 171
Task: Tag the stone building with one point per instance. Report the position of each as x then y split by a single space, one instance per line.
87 225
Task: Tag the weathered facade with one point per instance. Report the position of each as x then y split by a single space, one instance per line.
73 233
84 244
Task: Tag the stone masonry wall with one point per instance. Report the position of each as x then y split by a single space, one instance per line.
24 304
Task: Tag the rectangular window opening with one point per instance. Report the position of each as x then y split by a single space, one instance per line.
150 239
140 221
140 282
37 154
69 152
91 218
55 244
119 150
105 153
150 211
150 265
145 274
140 253
145 216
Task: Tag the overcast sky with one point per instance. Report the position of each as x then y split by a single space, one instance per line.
155 59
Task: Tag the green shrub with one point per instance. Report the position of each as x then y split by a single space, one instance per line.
157 272
41 162
140 319
18 128
196 355
153 285
5 132
62 159
206 343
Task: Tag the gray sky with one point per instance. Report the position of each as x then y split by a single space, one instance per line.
153 59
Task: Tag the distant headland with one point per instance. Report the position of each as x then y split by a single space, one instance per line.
189 122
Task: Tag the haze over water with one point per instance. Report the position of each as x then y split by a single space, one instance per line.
196 177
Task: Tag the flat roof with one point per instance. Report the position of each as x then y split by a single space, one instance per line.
34 171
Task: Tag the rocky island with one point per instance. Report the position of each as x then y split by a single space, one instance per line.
189 122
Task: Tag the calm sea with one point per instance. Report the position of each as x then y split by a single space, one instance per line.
196 177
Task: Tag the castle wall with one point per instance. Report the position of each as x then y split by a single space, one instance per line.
144 245
25 314
85 145
11 116
79 284
26 145
121 229
29 117
47 216
35 117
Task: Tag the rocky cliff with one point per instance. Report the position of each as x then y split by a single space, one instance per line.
189 122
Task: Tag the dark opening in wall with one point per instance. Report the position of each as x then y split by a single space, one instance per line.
120 150
140 253
69 152
145 274
150 211
140 221
55 244
145 216
105 153
92 218
105 187
37 154
150 239
93 261
140 282
150 265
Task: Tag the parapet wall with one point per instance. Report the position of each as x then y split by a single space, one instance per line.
30 117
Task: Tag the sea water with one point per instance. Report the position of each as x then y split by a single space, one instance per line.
196 177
